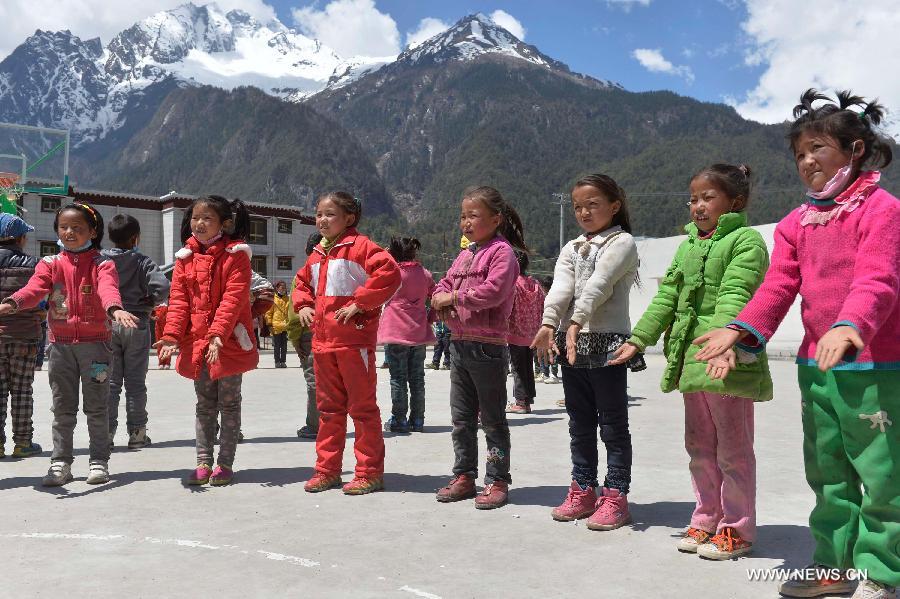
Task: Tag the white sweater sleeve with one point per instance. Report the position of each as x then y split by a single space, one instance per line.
556 304
612 264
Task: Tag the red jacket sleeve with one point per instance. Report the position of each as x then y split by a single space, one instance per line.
303 295
235 295
38 286
383 278
108 285
179 313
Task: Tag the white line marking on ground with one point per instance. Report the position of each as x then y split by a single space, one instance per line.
419 593
60 535
300 561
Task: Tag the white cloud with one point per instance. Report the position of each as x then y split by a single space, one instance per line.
351 27
627 5
655 62
828 48
92 18
509 22
428 28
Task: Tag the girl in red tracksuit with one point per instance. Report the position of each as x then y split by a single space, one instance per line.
210 323
338 294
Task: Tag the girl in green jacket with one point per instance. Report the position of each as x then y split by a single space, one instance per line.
714 273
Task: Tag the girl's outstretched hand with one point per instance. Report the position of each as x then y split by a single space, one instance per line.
166 348
719 367
212 354
125 319
834 344
440 301
343 315
544 346
6 308
716 342
625 352
306 316
572 341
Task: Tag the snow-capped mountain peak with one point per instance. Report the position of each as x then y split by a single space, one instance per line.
473 36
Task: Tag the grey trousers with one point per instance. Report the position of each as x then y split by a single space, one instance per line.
89 364
478 386
303 348
130 360
222 395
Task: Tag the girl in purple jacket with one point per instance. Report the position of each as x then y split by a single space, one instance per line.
404 331
475 300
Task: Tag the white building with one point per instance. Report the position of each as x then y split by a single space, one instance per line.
278 234
656 256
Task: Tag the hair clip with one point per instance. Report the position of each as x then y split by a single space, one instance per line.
357 201
89 209
862 115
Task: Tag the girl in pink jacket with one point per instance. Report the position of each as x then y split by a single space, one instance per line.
84 296
475 299
840 251
404 331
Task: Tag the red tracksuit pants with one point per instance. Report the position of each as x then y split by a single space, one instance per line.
345 384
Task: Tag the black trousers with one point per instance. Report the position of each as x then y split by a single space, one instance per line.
598 397
521 362
279 341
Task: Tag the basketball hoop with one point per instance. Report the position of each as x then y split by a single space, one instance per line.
8 180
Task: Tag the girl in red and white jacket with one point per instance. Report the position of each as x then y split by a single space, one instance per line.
210 323
84 295
338 294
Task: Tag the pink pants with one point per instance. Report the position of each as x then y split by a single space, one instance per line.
718 436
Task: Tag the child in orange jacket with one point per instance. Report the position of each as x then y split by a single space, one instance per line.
338 294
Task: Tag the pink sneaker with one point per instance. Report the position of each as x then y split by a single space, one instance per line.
578 504
612 511
200 476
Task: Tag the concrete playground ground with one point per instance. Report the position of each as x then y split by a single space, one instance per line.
146 534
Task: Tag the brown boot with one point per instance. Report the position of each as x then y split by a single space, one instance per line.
493 496
461 487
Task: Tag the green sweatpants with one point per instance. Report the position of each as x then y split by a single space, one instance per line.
852 452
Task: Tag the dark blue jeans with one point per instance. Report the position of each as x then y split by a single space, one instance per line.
598 397
407 364
442 348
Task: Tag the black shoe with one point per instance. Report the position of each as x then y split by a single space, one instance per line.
417 425
305 432
397 425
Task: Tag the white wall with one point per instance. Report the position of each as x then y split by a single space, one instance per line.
656 256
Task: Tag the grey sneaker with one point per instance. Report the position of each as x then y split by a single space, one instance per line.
869 589
59 474
98 473
137 438
822 584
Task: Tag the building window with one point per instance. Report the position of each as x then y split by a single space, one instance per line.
50 205
260 265
258 231
285 263
285 226
48 248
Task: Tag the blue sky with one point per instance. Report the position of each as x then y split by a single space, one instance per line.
598 38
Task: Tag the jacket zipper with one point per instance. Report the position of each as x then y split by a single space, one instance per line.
73 301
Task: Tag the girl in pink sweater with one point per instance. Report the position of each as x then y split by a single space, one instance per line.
404 331
475 299
841 252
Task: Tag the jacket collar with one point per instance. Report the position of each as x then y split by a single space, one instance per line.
477 247
599 238
728 223
192 246
348 238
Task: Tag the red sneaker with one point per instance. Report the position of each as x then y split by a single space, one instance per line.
221 476
612 511
461 487
518 408
493 496
725 545
363 486
322 482
578 504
